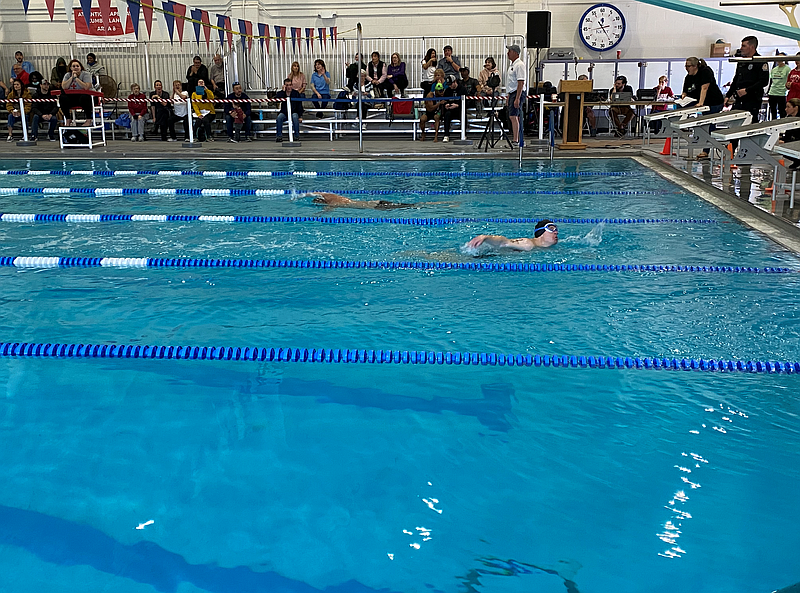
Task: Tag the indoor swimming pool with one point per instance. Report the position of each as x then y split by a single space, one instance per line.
431 440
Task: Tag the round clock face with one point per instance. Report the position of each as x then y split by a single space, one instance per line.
602 27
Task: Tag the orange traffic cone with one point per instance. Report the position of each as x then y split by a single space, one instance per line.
667 146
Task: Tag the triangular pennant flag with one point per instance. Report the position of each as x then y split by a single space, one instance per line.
25 4
197 14
229 32
105 12
243 33
133 9
68 9
180 14
334 35
295 39
51 6
147 11
122 13
309 38
323 37
263 31
248 27
278 38
221 18
86 6
206 26
168 6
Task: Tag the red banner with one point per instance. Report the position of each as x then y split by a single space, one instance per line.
96 27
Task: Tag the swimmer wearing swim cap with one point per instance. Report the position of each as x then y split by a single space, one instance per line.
332 200
544 235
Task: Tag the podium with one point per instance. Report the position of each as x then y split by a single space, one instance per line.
572 122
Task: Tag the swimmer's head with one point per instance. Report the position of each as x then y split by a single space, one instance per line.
546 232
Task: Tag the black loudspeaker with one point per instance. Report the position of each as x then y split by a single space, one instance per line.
538 33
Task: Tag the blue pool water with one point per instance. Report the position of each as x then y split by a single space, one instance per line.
290 477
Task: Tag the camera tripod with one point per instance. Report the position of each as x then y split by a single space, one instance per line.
489 132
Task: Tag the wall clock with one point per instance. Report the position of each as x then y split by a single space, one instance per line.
602 27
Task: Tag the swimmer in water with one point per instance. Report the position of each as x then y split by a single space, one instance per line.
336 201
544 235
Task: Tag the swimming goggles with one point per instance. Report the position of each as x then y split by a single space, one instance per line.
548 227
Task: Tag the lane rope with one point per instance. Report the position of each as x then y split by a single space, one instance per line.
27 218
364 356
163 262
135 191
426 174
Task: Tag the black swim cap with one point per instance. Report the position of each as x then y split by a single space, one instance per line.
540 227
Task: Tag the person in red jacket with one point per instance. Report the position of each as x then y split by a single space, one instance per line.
137 106
793 82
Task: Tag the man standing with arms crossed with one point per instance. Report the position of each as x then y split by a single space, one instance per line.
515 85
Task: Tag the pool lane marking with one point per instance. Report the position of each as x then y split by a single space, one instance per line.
364 356
163 262
28 218
160 191
422 174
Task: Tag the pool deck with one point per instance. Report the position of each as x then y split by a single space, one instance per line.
741 193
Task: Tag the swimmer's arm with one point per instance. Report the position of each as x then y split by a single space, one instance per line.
501 242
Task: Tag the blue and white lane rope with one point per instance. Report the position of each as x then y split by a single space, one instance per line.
161 191
28 218
335 355
163 262
448 174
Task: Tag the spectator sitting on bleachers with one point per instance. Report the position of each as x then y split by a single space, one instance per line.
23 63
616 111
468 87
20 74
94 67
3 90
203 108
321 86
299 82
58 73
376 75
396 74
137 107
428 69
47 112
230 116
217 73
449 63
432 112
489 68
197 72
288 93
451 108
180 109
160 108
352 71
14 115
35 79
364 90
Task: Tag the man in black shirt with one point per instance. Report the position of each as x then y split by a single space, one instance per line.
747 88
468 86
297 110
47 112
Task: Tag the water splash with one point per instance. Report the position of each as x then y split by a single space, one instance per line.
591 239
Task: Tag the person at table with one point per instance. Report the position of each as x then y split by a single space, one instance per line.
663 93
621 111
545 234
75 85
793 82
792 110
776 93
197 72
747 87
396 74
588 113
701 86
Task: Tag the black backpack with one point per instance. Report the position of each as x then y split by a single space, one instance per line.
342 105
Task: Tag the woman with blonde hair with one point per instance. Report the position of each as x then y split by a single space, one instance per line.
17 91
298 78
396 74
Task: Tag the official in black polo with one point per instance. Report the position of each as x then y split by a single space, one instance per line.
747 88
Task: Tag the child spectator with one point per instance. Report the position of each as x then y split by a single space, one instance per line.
137 106
238 122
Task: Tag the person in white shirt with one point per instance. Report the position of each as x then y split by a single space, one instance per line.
515 84
180 108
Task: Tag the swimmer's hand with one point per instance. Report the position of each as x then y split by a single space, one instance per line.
477 241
